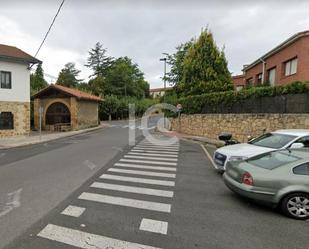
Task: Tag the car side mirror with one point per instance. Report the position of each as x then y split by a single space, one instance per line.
297 146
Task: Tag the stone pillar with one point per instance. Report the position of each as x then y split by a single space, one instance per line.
36 116
74 112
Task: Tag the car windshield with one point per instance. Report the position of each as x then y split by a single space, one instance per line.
273 140
273 160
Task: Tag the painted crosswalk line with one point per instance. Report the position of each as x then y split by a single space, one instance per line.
136 190
127 202
159 145
138 180
86 240
155 151
73 211
152 154
141 172
155 148
154 226
139 166
152 158
148 162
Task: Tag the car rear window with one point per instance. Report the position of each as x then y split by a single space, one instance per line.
272 160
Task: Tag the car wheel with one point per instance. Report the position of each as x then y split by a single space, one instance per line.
296 206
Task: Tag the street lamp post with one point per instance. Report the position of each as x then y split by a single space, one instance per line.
164 59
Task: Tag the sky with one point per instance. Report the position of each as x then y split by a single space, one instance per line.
144 29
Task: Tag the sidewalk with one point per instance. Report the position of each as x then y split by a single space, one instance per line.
34 137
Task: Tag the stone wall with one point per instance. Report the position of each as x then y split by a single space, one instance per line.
87 114
21 112
240 125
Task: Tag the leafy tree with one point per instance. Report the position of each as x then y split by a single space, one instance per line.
205 68
110 105
37 81
124 78
97 85
68 75
176 62
97 61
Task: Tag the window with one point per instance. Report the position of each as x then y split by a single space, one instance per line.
238 88
259 78
291 67
272 76
272 160
301 169
6 121
6 78
249 82
273 140
304 141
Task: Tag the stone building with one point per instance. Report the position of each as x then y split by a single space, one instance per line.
15 91
64 109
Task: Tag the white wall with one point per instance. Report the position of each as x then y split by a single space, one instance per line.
20 91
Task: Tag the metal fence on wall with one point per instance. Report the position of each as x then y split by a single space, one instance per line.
289 103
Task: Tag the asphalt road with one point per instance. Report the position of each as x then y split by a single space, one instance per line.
90 175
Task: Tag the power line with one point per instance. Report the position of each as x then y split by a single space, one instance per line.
51 25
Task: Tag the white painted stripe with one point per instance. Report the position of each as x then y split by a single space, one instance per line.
138 180
151 154
154 148
152 158
73 211
141 172
156 151
151 162
85 240
129 189
154 226
127 202
158 146
137 166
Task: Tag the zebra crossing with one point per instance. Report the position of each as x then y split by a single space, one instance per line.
143 179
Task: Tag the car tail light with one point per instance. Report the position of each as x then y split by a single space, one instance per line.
247 179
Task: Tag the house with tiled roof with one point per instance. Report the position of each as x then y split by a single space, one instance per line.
62 108
15 91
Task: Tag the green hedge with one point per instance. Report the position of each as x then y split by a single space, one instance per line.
195 104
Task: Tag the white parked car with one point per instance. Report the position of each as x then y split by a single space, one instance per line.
277 140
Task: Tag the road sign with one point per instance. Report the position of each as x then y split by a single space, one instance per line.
179 107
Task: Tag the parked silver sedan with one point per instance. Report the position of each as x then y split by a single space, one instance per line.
280 178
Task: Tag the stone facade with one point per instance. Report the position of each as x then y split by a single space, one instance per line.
21 112
240 125
84 114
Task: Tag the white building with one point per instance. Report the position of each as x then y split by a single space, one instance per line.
158 92
15 91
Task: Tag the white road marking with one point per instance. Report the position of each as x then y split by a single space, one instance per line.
73 211
85 240
138 166
152 158
137 180
154 226
151 162
89 164
154 148
151 154
12 202
127 202
141 172
156 151
158 146
129 189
